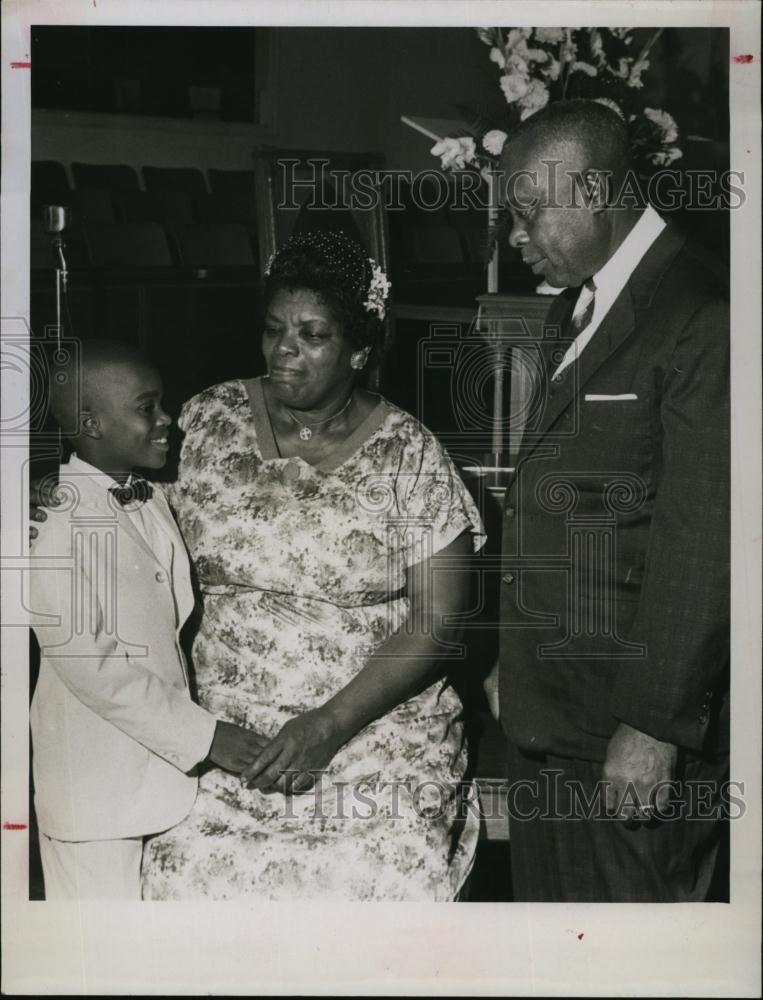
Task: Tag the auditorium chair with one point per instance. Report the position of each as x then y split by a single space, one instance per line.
168 208
127 244
105 176
186 179
231 181
92 205
224 244
229 206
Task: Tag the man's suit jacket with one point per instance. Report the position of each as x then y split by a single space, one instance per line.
615 589
114 728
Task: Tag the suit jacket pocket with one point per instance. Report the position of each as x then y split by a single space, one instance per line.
615 434
609 462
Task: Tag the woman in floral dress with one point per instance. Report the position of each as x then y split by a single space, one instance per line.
326 526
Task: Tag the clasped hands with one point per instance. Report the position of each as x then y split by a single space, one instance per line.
287 763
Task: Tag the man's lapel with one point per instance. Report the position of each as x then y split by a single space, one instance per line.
615 328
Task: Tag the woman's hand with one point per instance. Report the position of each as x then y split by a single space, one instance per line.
41 493
234 747
404 664
305 744
490 685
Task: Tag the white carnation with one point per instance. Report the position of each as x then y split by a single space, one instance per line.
665 122
494 140
549 36
455 153
536 55
514 86
537 97
552 69
597 46
497 56
518 36
664 157
568 49
584 67
634 77
516 63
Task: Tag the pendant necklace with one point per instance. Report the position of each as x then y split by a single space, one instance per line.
306 430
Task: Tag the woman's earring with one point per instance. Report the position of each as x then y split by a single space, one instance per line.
358 360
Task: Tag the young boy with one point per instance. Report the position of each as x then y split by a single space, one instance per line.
114 729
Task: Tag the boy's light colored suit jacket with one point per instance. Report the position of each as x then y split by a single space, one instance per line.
114 728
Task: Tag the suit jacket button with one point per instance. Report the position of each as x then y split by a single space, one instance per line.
557 378
160 577
508 578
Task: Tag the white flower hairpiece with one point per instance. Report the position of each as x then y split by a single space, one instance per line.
346 267
378 290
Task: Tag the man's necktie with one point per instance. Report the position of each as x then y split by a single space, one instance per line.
133 494
581 318
584 308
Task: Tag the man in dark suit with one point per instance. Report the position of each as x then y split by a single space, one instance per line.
613 678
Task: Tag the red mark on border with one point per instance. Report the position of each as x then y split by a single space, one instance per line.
14 826
743 59
28 65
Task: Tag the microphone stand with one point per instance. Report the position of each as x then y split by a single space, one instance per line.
55 219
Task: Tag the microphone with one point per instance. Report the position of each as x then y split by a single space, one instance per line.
55 219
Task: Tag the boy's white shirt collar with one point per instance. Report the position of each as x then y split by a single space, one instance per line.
77 464
158 513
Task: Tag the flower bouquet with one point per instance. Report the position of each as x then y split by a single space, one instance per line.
539 65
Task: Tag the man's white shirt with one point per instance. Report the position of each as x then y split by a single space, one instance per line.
610 280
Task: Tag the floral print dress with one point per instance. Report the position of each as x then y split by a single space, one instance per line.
302 571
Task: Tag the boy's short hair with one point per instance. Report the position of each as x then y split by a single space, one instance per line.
76 392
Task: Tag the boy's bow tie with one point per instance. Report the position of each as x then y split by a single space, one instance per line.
136 492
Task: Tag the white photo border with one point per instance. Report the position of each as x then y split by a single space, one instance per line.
259 948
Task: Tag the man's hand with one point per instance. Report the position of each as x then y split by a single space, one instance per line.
304 744
637 768
490 684
233 747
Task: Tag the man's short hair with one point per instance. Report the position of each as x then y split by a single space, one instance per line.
599 130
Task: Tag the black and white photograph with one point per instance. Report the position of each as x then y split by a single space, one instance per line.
381 453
